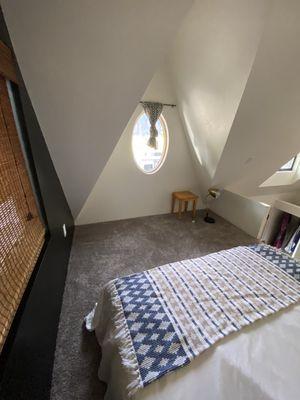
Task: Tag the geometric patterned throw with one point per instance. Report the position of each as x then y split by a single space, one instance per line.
167 316
279 258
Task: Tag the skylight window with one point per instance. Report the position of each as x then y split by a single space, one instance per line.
148 159
289 165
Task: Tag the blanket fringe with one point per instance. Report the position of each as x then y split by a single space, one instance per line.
124 342
89 320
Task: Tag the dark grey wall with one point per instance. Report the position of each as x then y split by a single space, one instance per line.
27 359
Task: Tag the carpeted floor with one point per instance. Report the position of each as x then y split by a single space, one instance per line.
104 251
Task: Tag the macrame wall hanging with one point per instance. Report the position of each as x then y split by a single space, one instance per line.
153 111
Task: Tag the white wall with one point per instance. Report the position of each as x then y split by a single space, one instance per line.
265 132
211 61
246 214
291 197
122 190
86 65
235 66
285 179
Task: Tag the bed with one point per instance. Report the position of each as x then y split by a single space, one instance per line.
258 359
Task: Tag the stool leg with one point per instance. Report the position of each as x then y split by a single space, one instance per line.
186 203
194 208
180 209
173 204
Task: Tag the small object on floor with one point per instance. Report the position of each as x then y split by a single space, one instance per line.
214 194
208 219
184 197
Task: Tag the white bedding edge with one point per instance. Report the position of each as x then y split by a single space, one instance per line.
261 362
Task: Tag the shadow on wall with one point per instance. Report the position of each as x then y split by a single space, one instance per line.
246 214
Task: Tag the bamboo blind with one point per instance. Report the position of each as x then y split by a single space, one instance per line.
7 65
21 231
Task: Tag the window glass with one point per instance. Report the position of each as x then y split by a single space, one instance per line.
288 166
149 160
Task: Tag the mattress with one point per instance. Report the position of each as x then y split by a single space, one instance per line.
261 361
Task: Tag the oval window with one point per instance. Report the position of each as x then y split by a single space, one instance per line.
147 159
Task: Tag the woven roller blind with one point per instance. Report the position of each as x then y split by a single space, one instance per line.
21 231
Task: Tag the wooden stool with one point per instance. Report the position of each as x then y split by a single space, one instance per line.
184 197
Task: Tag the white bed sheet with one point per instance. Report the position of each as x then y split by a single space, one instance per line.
261 362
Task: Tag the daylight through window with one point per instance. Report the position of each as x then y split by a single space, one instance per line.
149 160
289 165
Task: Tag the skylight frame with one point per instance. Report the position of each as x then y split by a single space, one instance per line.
288 169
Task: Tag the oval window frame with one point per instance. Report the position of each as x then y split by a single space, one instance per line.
165 149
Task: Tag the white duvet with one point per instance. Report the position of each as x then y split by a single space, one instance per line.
261 362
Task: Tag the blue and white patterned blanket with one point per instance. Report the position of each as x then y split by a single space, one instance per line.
165 317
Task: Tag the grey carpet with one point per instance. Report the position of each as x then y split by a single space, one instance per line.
104 251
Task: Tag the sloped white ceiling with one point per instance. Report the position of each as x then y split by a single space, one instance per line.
266 132
212 59
236 70
86 64
234 66
123 190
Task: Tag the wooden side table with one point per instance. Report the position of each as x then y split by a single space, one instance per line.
184 197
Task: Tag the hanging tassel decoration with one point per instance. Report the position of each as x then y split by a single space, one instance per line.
153 112
152 141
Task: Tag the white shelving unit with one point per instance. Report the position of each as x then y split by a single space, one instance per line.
271 223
